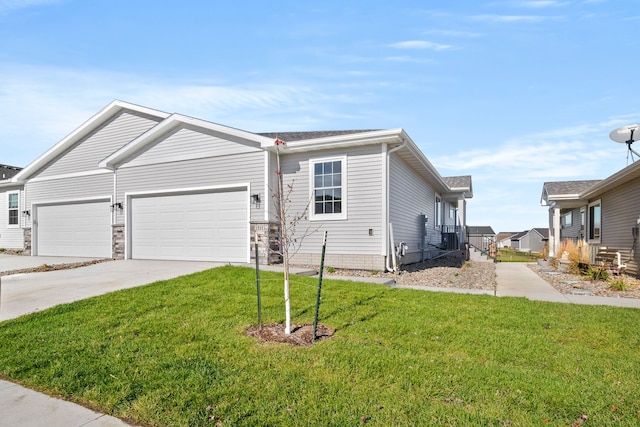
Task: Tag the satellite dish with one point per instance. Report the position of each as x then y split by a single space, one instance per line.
627 135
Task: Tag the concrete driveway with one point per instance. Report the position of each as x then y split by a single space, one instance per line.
26 293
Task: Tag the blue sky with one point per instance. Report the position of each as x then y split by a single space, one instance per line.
514 93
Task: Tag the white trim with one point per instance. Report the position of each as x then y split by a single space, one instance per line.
267 191
6 206
70 175
174 121
186 190
588 224
36 205
343 187
81 132
385 200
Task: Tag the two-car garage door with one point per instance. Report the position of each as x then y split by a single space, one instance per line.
204 226
211 226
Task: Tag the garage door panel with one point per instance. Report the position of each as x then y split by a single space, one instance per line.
203 226
76 229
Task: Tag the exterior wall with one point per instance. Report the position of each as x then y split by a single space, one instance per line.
189 174
356 242
409 197
572 232
620 212
11 236
87 153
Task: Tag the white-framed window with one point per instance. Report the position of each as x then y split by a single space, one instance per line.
13 205
595 221
328 180
567 219
438 212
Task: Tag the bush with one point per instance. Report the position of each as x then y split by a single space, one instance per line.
596 273
619 284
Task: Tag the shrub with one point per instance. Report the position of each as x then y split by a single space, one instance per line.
595 273
619 284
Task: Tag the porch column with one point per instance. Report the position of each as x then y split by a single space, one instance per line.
554 235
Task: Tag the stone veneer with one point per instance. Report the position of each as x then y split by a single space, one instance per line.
117 241
268 250
27 241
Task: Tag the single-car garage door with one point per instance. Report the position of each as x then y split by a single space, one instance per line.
210 226
74 229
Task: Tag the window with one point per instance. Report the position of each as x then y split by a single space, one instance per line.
13 208
567 219
328 189
595 221
438 209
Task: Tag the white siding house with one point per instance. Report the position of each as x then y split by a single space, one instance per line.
133 182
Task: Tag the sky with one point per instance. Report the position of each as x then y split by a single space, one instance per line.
514 93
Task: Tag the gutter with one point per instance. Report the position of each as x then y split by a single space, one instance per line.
390 244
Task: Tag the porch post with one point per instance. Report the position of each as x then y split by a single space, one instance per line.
554 236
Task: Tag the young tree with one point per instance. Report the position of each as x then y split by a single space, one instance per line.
290 241
284 239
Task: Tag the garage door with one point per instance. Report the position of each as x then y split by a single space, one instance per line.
197 227
75 229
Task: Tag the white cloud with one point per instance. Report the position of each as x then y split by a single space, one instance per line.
40 105
580 152
9 5
512 18
420 44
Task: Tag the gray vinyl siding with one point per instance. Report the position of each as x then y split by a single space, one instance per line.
69 189
87 153
363 202
188 174
573 231
188 144
11 237
409 196
620 212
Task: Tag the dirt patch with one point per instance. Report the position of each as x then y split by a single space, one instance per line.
53 267
301 335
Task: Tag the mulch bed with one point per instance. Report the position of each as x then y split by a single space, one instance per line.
301 335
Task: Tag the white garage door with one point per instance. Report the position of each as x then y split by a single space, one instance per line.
77 229
196 227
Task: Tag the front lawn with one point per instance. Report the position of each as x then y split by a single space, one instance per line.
174 353
512 255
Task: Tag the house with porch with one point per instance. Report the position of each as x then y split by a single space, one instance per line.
601 213
135 182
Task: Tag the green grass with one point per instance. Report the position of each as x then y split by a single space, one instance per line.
175 353
511 255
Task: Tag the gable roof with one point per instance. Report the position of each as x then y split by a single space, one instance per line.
300 136
98 119
7 171
519 235
480 230
544 232
173 122
503 235
460 183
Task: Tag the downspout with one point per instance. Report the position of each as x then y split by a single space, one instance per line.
390 249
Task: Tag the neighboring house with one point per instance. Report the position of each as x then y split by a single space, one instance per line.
480 236
603 213
11 234
134 182
7 172
533 240
503 239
